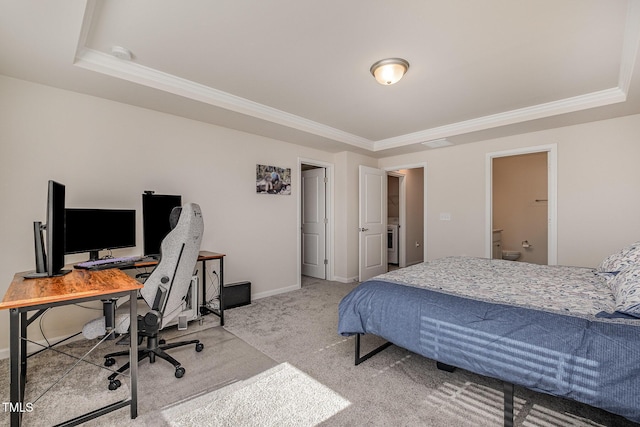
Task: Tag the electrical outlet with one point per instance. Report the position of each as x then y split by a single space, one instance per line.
445 216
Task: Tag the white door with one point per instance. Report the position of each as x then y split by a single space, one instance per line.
313 223
373 223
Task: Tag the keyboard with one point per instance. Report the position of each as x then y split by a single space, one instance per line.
104 264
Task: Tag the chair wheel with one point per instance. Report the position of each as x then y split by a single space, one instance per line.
199 347
162 342
180 372
109 361
114 384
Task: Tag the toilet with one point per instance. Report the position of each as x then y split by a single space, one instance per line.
510 255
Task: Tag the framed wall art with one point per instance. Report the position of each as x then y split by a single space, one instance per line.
273 180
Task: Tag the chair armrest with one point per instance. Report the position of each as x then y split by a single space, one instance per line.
161 296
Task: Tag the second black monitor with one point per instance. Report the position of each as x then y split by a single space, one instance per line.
93 230
156 210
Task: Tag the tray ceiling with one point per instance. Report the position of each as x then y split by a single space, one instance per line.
299 71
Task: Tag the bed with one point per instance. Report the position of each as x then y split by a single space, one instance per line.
567 331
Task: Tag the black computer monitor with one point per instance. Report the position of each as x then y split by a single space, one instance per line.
49 252
156 210
93 230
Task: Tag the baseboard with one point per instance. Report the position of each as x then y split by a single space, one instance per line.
345 279
274 292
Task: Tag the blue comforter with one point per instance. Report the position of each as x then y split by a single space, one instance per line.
589 360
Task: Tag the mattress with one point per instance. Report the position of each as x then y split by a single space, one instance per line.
552 329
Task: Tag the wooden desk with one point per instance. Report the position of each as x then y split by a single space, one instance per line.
203 257
26 295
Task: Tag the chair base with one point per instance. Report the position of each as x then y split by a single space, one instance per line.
152 351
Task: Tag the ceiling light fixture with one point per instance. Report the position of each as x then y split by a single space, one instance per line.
389 71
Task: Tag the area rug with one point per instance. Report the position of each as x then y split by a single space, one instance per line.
280 396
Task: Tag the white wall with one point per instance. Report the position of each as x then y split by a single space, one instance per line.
346 211
598 197
107 154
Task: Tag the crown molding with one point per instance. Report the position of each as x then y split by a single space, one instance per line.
630 47
104 63
568 105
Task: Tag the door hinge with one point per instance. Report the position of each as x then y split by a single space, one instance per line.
326 220
326 261
326 179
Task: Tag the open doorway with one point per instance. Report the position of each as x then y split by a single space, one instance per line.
521 205
315 220
373 218
405 210
395 256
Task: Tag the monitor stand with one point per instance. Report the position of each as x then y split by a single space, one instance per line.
41 258
38 275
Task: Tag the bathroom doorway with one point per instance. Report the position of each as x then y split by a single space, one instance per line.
522 205
396 256
405 216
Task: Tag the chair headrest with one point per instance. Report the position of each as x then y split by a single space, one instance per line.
174 216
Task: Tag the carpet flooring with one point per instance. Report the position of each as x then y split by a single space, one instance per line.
395 387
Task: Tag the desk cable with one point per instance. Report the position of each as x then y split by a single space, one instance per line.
213 290
78 360
44 336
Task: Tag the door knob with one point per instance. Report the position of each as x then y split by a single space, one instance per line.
364 229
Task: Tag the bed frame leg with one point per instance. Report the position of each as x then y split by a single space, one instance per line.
508 404
358 359
445 367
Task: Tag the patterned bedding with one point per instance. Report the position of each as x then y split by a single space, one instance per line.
583 293
535 326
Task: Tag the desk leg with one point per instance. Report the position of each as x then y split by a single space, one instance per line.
15 363
133 352
220 290
23 352
203 307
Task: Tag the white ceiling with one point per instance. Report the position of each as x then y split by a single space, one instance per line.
298 70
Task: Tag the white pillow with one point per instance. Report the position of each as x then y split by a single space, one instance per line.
626 290
626 257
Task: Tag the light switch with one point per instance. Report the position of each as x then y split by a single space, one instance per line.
445 216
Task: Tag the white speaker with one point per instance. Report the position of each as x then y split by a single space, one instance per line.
182 322
191 311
